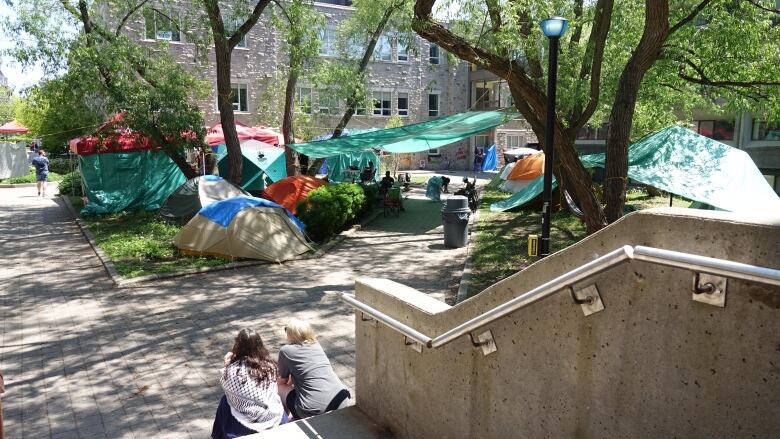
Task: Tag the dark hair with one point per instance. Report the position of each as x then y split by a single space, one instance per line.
248 347
387 174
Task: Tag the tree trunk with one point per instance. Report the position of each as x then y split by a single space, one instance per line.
287 119
226 117
181 162
577 180
622 116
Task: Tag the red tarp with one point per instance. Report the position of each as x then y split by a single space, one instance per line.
111 137
291 190
215 135
13 127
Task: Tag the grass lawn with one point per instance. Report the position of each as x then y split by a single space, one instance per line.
30 178
501 245
138 244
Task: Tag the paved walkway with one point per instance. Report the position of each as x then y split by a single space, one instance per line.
84 360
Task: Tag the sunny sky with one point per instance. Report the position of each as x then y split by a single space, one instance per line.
18 78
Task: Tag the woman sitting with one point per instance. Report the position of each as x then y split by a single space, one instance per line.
307 384
251 402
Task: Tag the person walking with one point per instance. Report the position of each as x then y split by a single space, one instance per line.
41 164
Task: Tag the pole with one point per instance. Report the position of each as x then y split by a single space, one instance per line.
549 146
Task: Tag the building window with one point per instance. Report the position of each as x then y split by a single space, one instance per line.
514 141
403 104
715 129
482 141
328 40
360 108
238 94
772 180
231 26
403 51
763 130
383 50
382 101
434 151
160 26
328 104
434 54
433 105
593 133
304 100
483 98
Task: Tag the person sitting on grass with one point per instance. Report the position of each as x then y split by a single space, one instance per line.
251 402
307 384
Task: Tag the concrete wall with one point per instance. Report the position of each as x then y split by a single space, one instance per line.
654 363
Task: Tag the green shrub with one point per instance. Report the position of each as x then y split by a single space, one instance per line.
328 209
71 184
372 193
60 165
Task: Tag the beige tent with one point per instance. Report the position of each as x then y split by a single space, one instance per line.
235 228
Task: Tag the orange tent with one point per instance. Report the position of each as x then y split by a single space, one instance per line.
528 168
291 190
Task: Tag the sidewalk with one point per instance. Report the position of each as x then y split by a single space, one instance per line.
82 359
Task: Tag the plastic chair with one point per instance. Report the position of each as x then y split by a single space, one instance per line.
392 202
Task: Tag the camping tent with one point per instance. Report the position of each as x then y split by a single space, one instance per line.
194 194
290 191
13 127
689 165
262 164
490 162
244 227
122 170
516 176
216 136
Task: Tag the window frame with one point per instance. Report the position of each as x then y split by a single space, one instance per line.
405 53
328 99
155 16
299 101
382 111
438 105
767 127
437 57
398 104
237 107
378 55
434 152
231 26
697 128
519 141
328 40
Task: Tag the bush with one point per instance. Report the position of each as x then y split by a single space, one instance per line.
71 184
328 209
59 165
371 190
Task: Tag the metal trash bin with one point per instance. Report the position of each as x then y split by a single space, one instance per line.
455 215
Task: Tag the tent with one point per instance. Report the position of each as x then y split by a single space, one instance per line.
122 170
516 176
263 164
14 161
13 127
290 191
689 165
416 137
215 136
194 194
243 227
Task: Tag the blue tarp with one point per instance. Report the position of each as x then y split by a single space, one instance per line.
223 212
433 188
490 162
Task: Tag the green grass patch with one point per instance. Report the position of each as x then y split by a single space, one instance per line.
30 178
139 244
501 244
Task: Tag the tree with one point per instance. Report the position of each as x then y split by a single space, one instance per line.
300 28
508 43
224 43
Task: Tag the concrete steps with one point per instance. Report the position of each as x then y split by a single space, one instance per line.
348 423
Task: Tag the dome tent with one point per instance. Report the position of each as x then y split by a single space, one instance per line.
194 194
291 190
244 227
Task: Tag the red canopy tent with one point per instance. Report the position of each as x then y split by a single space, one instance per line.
13 127
111 137
216 136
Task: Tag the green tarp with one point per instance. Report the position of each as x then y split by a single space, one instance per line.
338 164
114 182
410 138
261 165
689 165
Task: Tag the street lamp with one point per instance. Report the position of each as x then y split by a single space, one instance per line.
553 29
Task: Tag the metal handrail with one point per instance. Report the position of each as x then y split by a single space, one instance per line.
696 263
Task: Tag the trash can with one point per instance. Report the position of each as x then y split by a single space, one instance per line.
455 215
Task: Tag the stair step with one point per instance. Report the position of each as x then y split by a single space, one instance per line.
347 423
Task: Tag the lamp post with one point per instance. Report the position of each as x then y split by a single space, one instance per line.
553 29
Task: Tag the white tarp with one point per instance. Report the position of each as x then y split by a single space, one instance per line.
13 160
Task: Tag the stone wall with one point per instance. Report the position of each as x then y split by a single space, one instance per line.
654 363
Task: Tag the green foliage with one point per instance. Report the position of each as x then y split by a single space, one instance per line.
328 209
30 178
60 165
71 184
371 190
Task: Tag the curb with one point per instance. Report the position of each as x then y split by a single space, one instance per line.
465 277
121 282
11 186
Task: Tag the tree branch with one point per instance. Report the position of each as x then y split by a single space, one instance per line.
685 20
248 24
127 16
764 8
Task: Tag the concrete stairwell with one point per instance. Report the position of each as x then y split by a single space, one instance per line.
348 423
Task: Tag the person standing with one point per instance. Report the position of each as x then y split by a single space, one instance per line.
41 164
